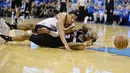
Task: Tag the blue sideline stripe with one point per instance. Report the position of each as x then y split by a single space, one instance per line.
129 17
124 52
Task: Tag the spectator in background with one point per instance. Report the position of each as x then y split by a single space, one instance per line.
89 16
82 4
63 5
99 12
109 7
123 16
116 14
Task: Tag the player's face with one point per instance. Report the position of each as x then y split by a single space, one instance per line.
87 37
71 18
90 36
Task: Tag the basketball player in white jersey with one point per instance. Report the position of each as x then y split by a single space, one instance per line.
56 25
27 8
77 39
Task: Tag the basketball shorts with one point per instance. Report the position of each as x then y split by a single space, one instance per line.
46 40
16 3
42 26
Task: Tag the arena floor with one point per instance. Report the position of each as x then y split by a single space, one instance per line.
20 57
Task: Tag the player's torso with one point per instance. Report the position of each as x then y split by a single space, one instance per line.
74 37
49 22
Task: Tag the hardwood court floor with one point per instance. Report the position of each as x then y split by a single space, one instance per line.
18 57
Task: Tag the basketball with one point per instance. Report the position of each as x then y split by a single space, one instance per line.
121 42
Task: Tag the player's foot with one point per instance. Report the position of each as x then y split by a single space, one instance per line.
6 38
16 21
7 25
3 24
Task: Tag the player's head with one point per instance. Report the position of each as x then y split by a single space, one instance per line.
69 19
85 28
90 35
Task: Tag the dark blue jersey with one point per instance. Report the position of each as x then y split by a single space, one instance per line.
74 36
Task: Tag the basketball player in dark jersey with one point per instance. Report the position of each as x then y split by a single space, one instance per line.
77 39
27 9
15 6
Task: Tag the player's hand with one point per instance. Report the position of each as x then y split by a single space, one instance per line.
88 43
43 30
68 48
94 34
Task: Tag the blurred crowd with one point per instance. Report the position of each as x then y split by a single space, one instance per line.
36 9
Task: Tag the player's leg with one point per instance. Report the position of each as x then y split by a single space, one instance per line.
105 18
18 4
13 8
20 26
15 38
101 16
95 16
25 9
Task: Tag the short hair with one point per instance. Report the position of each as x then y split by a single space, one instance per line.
85 28
74 16
73 12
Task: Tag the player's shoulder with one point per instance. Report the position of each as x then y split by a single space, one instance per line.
61 14
79 31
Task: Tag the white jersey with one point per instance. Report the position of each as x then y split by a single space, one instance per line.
50 23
